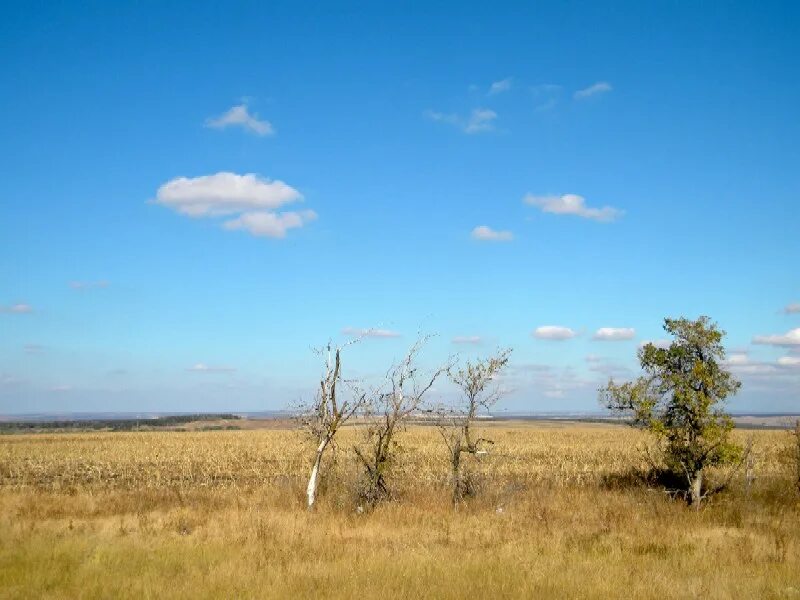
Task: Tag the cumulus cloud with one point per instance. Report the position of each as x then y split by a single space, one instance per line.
790 338
610 334
485 233
268 224
793 308
88 285
498 87
467 339
741 364
204 368
371 333
601 87
224 193
19 308
240 116
254 199
554 332
480 120
572 204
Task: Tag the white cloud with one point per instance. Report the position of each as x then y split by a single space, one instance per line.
88 285
793 308
498 87
33 348
239 116
19 309
554 332
480 120
371 333
741 364
253 198
224 193
614 333
789 361
204 368
485 233
61 388
572 204
601 87
604 366
268 224
467 339
791 338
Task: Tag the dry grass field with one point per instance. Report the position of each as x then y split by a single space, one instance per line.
212 514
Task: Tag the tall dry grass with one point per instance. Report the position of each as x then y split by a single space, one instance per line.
220 514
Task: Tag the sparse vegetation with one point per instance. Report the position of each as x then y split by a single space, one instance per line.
386 415
222 513
457 424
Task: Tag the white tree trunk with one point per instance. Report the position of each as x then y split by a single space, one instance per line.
696 489
313 481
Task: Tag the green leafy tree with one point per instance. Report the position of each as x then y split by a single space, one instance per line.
680 398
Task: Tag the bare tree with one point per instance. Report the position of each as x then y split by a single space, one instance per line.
329 410
457 426
389 409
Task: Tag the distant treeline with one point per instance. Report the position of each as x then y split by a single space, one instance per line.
112 424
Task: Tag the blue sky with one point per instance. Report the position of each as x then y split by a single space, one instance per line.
194 195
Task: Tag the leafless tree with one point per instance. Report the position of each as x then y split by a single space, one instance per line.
331 408
457 425
403 395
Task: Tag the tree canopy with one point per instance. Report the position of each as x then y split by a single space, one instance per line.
680 398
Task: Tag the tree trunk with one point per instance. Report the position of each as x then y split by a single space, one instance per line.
313 481
696 489
456 464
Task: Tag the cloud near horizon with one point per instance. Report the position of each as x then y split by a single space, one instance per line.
790 338
572 204
601 87
467 339
485 233
255 199
553 332
204 368
370 333
240 116
613 334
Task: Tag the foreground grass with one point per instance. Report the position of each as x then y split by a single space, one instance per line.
556 529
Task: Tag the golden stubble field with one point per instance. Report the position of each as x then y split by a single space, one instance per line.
221 514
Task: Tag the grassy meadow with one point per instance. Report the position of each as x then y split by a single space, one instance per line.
209 514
